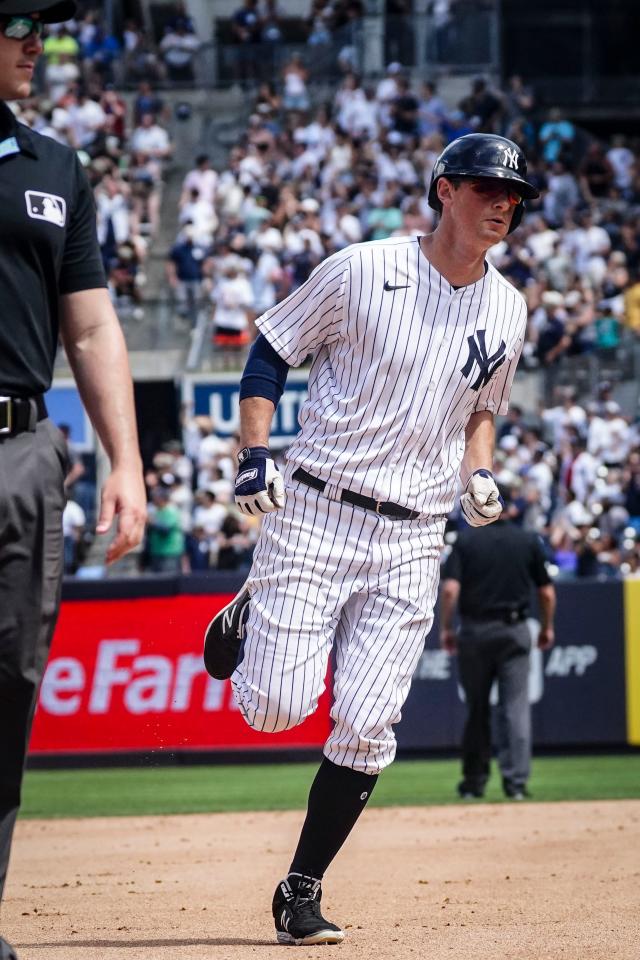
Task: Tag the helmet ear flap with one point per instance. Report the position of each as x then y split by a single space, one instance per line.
516 217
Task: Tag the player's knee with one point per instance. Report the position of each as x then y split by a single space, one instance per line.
273 715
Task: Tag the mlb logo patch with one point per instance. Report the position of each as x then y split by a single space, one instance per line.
46 206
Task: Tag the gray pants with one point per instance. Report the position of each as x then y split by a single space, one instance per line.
32 469
488 651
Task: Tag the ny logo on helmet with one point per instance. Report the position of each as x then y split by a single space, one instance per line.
510 158
478 354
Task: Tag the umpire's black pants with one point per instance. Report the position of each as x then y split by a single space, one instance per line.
32 470
487 651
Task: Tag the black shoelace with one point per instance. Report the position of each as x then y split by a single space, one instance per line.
306 907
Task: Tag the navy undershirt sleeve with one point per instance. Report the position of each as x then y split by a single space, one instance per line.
265 373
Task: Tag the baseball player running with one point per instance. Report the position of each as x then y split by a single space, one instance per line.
415 343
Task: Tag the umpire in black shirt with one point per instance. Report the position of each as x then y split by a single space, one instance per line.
51 284
489 575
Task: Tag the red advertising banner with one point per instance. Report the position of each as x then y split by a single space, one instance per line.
127 675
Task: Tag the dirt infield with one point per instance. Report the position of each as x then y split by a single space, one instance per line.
490 882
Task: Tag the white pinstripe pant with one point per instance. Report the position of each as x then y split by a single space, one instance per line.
327 573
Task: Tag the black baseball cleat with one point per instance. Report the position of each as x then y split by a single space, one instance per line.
296 911
224 637
469 791
6 951
514 791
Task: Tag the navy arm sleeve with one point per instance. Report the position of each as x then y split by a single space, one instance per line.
265 373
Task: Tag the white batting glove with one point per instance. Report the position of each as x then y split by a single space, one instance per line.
481 502
259 483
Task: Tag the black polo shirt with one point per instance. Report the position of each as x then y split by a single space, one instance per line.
496 567
48 247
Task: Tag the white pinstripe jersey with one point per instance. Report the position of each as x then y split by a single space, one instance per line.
401 359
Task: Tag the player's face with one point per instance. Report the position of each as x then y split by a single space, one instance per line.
17 60
485 208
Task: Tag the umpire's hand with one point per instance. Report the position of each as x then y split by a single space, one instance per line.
259 483
481 502
448 640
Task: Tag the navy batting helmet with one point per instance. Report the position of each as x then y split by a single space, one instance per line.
51 11
484 155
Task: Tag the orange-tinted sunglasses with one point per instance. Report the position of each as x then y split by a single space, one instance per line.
492 190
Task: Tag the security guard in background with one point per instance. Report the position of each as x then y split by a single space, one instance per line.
51 284
489 575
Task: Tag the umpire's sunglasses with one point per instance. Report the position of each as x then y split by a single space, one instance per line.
19 28
494 190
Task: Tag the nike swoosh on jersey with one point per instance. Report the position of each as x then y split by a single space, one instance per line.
396 286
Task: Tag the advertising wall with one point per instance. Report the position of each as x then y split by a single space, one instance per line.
126 675
577 689
218 396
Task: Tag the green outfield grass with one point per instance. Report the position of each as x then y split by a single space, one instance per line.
215 789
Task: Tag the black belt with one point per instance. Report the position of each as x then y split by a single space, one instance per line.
18 414
503 616
392 510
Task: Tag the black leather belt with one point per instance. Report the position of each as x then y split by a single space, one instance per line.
392 510
502 616
18 414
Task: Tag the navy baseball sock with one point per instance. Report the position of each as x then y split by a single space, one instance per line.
337 797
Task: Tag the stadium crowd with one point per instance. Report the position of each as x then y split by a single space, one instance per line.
307 178
124 150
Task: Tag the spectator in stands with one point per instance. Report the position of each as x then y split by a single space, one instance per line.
179 18
385 219
165 538
113 212
100 56
294 78
198 549
233 303
557 137
151 139
178 48
114 107
404 109
123 282
201 178
562 195
61 71
431 109
60 42
622 161
210 451
595 173
185 274
235 542
147 101
141 60
88 119
387 91
483 108
73 528
208 513
143 177
519 103
245 26
200 215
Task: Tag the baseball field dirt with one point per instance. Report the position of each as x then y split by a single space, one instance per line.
490 882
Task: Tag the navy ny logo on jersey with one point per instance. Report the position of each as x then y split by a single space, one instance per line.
478 354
